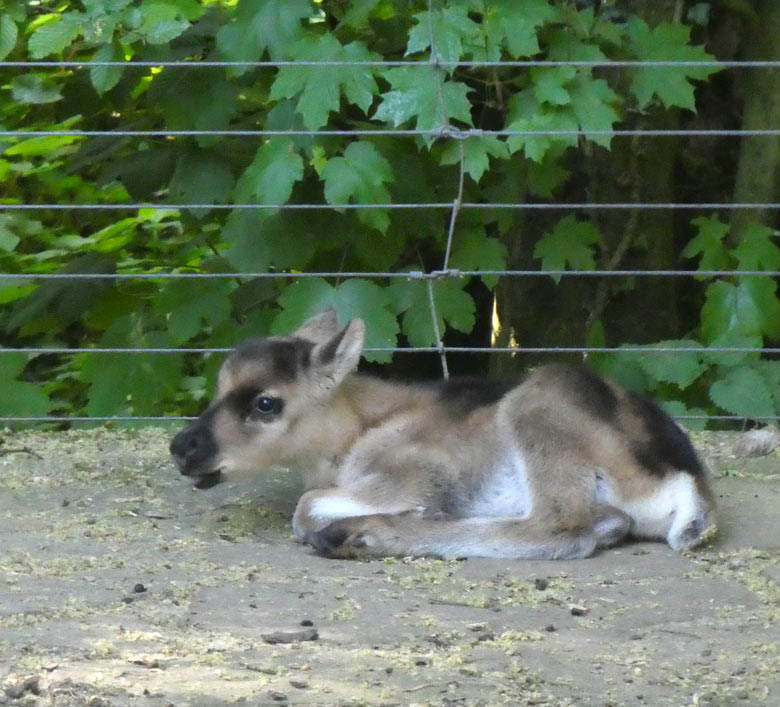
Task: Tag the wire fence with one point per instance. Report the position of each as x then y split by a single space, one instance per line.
455 207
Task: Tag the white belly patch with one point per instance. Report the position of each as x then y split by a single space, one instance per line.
505 494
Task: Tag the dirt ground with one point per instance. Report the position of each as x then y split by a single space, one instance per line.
121 585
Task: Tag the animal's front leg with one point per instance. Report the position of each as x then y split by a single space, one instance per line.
318 509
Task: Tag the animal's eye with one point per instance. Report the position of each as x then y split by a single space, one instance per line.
266 406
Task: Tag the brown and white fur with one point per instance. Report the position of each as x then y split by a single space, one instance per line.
555 466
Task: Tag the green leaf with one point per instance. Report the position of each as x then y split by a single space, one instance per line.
272 174
258 243
513 25
549 84
114 236
743 391
454 308
32 88
473 250
36 146
8 240
569 244
670 84
419 93
162 22
104 78
592 102
18 398
546 176
130 383
53 37
193 99
736 315
359 176
359 12
351 299
563 45
446 28
273 25
677 409
67 299
770 371
679 367
201 178
189 304
475 154
8 35
526 113
708 243
319 92
756 251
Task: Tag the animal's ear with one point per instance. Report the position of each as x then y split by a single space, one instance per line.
334 359
320 328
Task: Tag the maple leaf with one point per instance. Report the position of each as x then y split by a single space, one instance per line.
570 243
741 314
756 251
272 174
743 391
473 250
670 84
513 25
354 298
360 176
319 92
476 151
708 243
419 93
453 306
445 31
273 25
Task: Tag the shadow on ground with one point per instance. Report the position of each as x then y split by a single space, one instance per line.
120 585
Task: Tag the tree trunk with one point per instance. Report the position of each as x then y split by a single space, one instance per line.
759 157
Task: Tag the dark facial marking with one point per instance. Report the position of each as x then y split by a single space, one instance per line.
460 396
667 446
283 356
194 448
249 403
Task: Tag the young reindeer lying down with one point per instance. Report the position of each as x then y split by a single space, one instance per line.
555 466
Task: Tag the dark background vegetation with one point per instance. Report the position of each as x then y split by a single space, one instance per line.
702 312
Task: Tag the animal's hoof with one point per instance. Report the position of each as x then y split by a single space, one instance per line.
697 532
342 538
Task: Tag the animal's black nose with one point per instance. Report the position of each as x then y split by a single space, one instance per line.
184 444
190 446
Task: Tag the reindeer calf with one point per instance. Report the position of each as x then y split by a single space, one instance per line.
555 466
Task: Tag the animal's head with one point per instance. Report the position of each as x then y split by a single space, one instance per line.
271 400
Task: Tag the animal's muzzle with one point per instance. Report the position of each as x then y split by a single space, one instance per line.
194 451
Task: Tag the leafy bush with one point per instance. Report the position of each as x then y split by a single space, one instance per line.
332 170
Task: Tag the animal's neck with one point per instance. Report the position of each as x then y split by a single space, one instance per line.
359 404
373 400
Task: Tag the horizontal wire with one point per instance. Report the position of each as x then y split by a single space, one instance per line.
77 418
407 349
410 275
429 205
630 63
448 132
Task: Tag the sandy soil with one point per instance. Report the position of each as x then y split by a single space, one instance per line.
120 585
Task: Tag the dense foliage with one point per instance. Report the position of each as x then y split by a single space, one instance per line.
219 170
